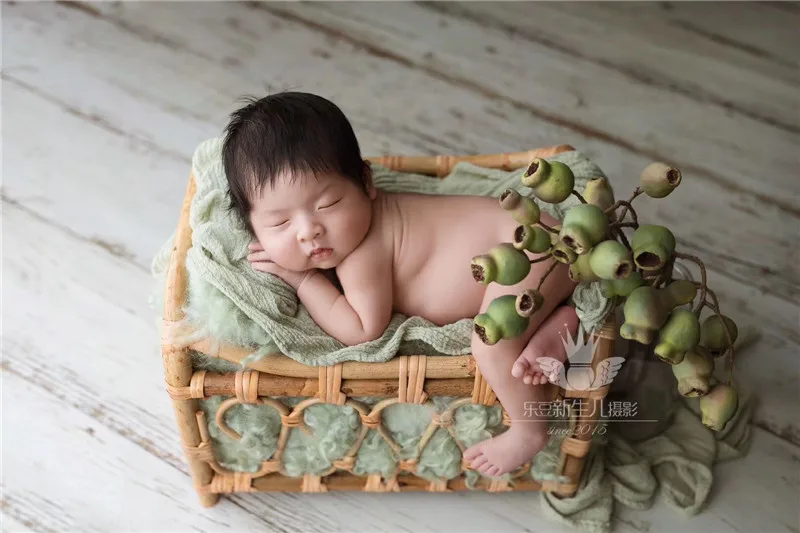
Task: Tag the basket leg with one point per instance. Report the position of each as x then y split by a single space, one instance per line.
588 410
178 372
177 360
207 499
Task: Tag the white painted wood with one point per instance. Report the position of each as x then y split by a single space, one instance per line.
588 96
105 186
12 525
101 117
767 30
65 470
87 49
135 188
652 44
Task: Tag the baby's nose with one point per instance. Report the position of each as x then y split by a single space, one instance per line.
310 231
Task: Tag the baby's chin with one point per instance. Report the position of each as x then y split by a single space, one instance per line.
327 264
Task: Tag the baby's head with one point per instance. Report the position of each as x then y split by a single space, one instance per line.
297 180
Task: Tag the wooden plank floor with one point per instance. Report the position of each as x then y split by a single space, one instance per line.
104 103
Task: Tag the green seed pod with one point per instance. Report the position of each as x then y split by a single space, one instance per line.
647 309
679 292
551 181
652 246
645 313
584 226
523 209
598 192
504 264
500 321
621 287
679 335
660 179
581 272
564 254
693 372
532 238
712 334
718 406
611 260
528 302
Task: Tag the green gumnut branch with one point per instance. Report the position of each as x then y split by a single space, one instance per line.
634 271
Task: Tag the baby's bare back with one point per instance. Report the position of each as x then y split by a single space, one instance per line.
436 238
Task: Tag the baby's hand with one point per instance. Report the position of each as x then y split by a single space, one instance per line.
260 261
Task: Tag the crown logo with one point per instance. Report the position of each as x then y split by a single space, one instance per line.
580 353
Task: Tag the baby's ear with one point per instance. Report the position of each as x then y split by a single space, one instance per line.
371 191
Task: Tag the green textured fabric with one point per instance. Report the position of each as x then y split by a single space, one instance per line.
618 470
679 461
229 301
334 429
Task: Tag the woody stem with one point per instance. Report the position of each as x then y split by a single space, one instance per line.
618 232
615 225
627 205
636 192
581 198
548 228
704 285
540 259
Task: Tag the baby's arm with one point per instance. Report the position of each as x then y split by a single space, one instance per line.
363 312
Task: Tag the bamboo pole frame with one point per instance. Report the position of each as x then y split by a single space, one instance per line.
177 361
455 376
281 365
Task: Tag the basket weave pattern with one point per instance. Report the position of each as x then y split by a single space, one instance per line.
405 379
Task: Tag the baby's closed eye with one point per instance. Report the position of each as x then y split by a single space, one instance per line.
328 204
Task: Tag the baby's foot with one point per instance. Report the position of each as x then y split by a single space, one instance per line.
546 344
506 452
536 366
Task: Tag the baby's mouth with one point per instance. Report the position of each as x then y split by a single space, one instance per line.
321 253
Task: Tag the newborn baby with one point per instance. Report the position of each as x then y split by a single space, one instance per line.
298 182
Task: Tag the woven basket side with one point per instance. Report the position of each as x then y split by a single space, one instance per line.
408 379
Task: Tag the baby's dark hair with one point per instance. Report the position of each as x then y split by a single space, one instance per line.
288 131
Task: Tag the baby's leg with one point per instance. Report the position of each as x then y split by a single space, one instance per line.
528 432
546 342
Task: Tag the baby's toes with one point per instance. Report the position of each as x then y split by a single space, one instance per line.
477 463
521 367
484 468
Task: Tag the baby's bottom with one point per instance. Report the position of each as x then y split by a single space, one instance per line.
528 432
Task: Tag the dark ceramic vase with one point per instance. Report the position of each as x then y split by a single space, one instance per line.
646 383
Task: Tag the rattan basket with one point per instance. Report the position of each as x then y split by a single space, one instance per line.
413 379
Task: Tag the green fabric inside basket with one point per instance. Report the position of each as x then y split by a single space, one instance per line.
230 302
335 428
